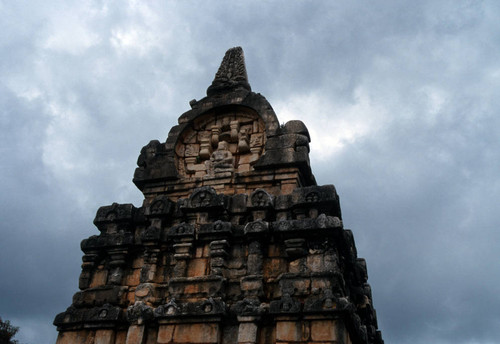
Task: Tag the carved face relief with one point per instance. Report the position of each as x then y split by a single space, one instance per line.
220 143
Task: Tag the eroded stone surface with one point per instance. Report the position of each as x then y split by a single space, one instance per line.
234 242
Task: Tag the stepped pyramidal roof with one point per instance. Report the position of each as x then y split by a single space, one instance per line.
234 242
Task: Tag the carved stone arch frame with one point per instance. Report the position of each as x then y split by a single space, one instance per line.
244 126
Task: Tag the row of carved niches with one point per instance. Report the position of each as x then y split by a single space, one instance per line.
218 144
316 205
306 202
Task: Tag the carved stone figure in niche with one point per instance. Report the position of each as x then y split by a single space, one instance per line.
243 142
222 160
256 144
222 157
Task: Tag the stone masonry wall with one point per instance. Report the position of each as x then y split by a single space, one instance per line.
234 243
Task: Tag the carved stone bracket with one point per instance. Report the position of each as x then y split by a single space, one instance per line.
105 316
215 230
181 232
139 313
249 307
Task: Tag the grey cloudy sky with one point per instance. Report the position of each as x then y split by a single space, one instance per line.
401 99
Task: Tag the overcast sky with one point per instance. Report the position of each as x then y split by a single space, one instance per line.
401 99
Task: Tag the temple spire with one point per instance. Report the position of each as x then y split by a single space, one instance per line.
232 73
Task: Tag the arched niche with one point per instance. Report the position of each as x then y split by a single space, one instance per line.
220 142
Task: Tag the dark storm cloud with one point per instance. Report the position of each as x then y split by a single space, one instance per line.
400 99
421 194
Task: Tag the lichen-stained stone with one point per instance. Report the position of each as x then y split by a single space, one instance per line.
247 332
234 242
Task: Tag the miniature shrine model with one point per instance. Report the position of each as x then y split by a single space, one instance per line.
234 242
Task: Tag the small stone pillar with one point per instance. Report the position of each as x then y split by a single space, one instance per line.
182 255
218 255
248 329
116 264
88 265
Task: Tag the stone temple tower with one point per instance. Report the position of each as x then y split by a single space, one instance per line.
234 242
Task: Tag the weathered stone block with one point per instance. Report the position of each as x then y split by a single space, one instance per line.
196 333
274 267
137 263
206 286
315 263
230 334
99 279
133 279
292 331
165 334
324 330
104 337
75 337
121 337
152 334
197 267
247 332
100 296
135 335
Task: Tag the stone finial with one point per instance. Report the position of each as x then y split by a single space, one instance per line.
232 73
